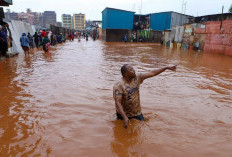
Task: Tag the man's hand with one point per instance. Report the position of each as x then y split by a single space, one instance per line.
173 68
125 122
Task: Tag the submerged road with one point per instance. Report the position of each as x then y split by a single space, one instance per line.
60 104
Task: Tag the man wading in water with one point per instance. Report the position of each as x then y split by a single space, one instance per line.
126 92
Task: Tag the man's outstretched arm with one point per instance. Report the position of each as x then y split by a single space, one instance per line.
121 111
158 71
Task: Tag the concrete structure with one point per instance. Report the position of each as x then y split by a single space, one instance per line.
117 19
49 18
26 17
67 21
167 20
79 21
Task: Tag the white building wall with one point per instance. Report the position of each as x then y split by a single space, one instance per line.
17 28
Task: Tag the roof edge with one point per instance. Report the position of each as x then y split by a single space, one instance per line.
118 9
171 12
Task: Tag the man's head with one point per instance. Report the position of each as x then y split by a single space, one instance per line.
128 71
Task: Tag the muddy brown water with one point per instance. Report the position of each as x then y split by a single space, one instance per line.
60 104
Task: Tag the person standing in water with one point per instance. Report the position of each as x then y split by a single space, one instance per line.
46 44
126 92
31 42
36 39
25 43
3 42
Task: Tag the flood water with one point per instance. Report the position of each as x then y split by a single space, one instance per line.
61 104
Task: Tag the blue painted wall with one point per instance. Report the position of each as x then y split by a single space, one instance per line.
104 18
160 21
117 19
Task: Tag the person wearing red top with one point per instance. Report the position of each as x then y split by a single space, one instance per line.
43 34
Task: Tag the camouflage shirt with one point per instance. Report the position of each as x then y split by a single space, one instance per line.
130 95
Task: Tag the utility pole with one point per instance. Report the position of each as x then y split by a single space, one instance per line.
222 16
133 7
184 4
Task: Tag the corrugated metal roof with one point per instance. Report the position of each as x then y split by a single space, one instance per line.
213 17
117 9
224 14
170 12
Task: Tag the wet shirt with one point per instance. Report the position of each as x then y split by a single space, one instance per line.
3 36
130 95
43 34
24 41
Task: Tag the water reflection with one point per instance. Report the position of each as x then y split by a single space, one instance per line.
182 108
128 142
17 116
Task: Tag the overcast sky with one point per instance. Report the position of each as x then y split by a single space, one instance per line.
93 8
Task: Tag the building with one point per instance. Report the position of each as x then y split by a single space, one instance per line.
167 20
214 17
11 16
117 19
38 19
141 22
116 23
26 17
67 21
97 23
89 23
59 24
6 2
49 18
79 21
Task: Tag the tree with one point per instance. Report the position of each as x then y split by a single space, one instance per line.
230 10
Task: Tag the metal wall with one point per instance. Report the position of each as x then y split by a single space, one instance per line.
160 21
179 19
104 18
114 35
117 19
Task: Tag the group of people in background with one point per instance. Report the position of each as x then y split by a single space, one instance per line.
132 37
42 39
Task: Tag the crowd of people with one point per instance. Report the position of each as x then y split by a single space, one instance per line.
43 39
